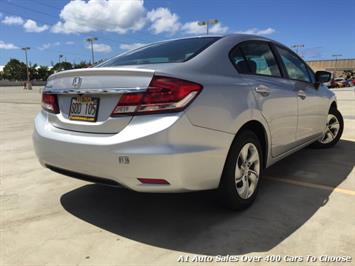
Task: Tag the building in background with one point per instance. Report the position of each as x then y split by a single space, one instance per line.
339 67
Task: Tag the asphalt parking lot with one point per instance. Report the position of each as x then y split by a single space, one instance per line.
305 207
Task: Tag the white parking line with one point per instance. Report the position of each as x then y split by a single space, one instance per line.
311 185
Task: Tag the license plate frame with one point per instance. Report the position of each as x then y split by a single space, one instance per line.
83 100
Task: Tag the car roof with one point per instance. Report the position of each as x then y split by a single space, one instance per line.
236 36
233 37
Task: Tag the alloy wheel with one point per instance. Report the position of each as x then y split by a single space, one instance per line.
247 171
332 129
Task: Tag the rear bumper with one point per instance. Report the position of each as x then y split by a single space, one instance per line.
157 146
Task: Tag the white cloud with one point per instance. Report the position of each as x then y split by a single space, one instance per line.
29 25
7 46
256 31
218 29
100 47
194 28
69 43
122 16
12 20
32 26
46 46
131 46
163 20
101 15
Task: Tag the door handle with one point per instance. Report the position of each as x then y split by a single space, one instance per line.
263 90
301 94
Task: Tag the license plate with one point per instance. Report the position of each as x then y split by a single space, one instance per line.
84 108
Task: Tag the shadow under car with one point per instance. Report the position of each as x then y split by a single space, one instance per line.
196 222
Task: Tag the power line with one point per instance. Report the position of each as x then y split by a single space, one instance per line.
5 12
28 9
83 34
112 41
59 9
45 4
46 22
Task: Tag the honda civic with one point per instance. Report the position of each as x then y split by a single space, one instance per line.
198 113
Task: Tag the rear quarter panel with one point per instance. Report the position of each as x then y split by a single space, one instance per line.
225 104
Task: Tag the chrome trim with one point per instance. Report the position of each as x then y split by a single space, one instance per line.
93 91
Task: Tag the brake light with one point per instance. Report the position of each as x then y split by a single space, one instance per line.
164 94
50 103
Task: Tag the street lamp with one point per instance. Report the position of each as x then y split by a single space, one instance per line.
28 84
91 41
207 23
297 47
60 57
336 60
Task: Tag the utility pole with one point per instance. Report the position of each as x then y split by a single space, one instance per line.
91 41
207 23
297 47
28 83
336 61
60 57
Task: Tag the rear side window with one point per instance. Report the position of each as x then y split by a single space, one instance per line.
255 58
295 67
163 52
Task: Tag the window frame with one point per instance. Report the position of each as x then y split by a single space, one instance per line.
269 44
273 46
311 72
308 69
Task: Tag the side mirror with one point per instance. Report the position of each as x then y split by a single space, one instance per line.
323 76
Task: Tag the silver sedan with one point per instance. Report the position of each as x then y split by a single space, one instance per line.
187 114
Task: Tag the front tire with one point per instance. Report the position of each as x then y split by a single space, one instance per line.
242 171
332 132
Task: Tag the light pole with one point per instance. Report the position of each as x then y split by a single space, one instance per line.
91 41
336 61
60 57
28 84
207 23
297 47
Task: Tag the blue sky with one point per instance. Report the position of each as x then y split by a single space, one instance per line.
50 28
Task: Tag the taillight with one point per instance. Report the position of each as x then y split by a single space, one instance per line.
164 94
50 103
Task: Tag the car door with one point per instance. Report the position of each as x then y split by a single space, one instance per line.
310 102
275 97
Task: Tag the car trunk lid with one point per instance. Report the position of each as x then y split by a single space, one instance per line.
104 86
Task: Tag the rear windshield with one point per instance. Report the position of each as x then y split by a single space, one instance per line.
163 52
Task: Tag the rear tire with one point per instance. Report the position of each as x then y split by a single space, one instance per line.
242 172
332 132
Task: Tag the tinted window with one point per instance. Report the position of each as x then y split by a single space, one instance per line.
255 58
295 67
239 61
162 52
